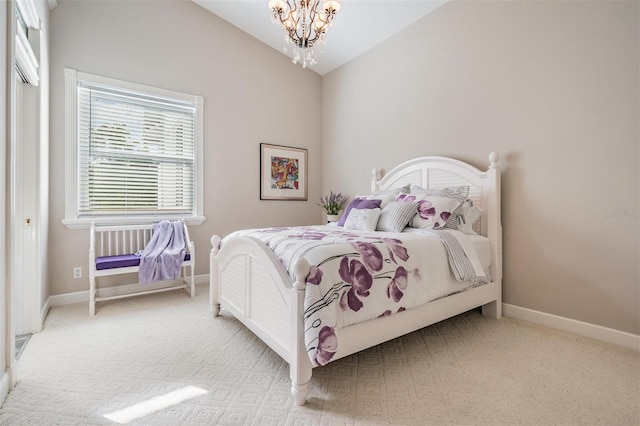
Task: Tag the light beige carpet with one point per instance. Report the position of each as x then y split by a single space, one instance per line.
468 370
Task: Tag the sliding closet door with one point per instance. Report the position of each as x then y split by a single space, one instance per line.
25 226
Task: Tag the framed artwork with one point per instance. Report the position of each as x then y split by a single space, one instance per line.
283 173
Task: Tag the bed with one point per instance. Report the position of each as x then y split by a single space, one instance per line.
266 291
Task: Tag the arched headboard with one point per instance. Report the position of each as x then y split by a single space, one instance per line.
441 172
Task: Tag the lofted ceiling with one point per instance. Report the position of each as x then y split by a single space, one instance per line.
360 25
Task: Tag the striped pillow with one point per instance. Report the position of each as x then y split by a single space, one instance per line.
396 215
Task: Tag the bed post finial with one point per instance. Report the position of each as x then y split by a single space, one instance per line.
375 177
215 244
494 157
301 270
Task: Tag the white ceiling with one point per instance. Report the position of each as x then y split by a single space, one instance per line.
359 25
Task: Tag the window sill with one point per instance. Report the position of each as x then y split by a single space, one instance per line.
134 220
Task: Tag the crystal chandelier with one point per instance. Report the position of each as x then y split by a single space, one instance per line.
305 23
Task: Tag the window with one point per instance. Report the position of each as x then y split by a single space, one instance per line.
133 152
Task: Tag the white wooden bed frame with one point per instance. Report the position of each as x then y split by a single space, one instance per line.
247 280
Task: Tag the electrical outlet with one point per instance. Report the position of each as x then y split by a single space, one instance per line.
77 272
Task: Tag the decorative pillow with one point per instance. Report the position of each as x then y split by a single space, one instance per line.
434 211
362 219
468 218
459 193
353 204
386 195
396 216
358 203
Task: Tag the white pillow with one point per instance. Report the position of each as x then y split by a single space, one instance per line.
384 198
386 195
468 219
362 219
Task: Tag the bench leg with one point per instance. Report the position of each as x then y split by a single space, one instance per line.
192 282
92 296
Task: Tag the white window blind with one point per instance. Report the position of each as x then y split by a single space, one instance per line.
136 153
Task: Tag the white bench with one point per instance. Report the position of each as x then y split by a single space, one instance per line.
112 252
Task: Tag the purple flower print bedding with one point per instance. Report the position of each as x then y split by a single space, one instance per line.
356 276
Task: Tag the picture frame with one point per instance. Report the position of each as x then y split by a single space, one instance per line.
283 173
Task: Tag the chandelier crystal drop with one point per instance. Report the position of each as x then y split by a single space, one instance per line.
305 23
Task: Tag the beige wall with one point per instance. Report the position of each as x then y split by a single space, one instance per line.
249 91
551 86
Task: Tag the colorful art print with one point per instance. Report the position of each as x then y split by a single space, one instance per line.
283 173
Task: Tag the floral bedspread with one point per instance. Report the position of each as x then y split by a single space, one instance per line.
357 276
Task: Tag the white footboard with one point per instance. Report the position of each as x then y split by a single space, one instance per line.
248 280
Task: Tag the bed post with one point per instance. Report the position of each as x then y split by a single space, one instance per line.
213 276
494 232
299 366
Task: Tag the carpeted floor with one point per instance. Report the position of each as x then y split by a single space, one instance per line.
467 370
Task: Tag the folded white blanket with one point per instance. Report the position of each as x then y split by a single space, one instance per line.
463 259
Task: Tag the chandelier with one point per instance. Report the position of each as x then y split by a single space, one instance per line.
305 23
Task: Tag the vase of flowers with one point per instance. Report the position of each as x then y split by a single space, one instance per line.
332 205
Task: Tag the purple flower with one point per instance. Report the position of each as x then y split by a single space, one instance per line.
426 209
315 275
371 256
397 284
309 236
406 198
394 247
360 279
327 346
276 229
388 312
444 216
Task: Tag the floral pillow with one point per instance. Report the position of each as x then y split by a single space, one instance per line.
433 211
362 219
460 193
358 203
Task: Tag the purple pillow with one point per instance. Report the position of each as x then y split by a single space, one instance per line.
369 204
358 203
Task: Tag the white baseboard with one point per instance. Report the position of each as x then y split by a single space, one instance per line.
44 312
4 386
83 296
585 329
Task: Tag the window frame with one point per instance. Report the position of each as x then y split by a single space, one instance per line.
72 219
